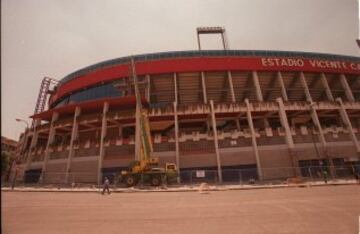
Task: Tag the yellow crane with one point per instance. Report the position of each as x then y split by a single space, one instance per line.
145 167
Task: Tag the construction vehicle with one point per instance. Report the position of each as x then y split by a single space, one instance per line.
145 168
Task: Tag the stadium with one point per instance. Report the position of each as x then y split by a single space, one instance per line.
266 114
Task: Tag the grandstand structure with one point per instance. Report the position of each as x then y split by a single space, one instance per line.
208 110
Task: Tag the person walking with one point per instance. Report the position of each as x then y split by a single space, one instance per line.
106 186
325 174
13 183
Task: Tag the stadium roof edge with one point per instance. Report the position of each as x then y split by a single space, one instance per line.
202 53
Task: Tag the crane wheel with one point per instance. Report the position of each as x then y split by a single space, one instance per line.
155 180
130 181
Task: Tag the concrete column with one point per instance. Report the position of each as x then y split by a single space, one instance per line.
203 85
259 95
33 144
216 143
345 118
316 121
231 86
51 138
103 134
175 88
325 84
288 137
306 88
198 40
148 88
177 149
255 78
346 87
282 86
238 127
253 139
71 147
224 41
24 141
285 124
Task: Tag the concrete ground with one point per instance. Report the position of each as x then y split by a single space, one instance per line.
325 209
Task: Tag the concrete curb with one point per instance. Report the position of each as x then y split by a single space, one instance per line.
190 189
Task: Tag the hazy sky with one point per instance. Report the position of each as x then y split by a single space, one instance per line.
56 37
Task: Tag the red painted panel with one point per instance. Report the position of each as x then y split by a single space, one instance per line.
207 64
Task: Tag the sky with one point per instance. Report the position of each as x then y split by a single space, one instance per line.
56 37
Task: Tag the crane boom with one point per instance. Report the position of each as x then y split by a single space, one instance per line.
145 167
142 127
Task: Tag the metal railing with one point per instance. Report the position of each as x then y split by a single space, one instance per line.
246 176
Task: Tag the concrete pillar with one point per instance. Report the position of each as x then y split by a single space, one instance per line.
103 134
224 41
71 147
24 140
50 140
198 40
238 127
325 84
177 149
346 87
203 85
216 143
148 88
253 139
306 88
288 137
345 118
285 124
231 86
259 95
316 121
33 144
175 88
255 78
282 86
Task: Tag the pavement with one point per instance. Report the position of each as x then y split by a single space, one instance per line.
304 209
176 188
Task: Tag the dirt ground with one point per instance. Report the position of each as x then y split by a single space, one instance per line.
330 209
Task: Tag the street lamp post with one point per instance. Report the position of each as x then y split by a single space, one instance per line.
24 121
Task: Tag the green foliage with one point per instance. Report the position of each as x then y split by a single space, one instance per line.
5 161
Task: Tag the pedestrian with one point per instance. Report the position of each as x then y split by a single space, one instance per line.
106 186
325 174
14 178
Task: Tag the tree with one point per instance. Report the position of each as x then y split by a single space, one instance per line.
5 162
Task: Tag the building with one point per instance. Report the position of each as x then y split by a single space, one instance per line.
8 145
272 110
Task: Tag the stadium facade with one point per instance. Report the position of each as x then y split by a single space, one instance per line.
271 109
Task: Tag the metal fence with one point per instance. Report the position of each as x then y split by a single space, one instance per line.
192 177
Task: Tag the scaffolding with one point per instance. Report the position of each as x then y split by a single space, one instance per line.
47 86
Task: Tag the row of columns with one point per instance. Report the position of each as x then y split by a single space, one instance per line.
283 119
258 91
282 114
